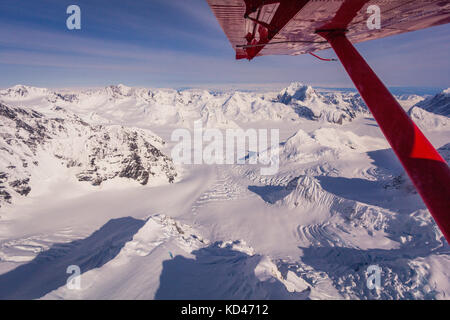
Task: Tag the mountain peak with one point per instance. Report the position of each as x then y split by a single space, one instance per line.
22 91
119 90
298 86
123 87
296 91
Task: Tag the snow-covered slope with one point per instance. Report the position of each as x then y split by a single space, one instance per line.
439 104
432 113
427 120
163 249
31 141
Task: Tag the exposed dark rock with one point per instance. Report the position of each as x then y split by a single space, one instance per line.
21 186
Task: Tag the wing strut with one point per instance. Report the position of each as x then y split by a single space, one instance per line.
427 169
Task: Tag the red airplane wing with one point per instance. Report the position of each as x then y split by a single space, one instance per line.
266 27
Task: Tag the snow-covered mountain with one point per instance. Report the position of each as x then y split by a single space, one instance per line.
438 104
119 103
20 92
409 100
433 112
428 120
332 107
86 179
30 140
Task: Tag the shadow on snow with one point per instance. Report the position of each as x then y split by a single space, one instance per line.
47 271
219 272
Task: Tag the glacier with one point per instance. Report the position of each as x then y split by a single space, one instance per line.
86 179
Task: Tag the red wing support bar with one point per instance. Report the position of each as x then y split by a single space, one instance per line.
427 169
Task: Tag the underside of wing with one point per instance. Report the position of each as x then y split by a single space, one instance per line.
267 27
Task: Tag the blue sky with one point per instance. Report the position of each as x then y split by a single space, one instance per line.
178 43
